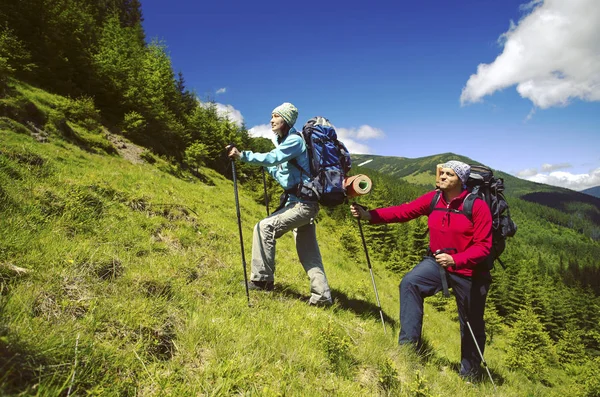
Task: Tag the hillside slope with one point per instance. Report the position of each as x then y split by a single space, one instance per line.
123 278
133 288
593 191
422 171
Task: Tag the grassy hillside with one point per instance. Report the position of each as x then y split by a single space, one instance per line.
122 277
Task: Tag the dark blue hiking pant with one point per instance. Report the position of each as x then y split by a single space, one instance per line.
425 280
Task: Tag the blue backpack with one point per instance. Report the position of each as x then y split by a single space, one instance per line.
329 163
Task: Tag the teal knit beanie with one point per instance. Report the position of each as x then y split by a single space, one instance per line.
288 113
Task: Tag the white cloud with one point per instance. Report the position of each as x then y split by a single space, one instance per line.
568 180
349 136
355 147
264 131
527 173
552 55
553 167
530 115
352 136
221 90
364 132
226 111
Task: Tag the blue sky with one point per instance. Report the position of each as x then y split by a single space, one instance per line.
512 84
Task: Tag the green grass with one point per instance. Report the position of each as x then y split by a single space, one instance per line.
134 289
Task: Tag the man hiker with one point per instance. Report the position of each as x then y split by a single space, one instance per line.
458 248
295 213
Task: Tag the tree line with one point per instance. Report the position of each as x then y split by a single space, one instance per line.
97 52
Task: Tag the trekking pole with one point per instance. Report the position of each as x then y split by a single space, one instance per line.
472 333
265 190
480 353
362 236
237 207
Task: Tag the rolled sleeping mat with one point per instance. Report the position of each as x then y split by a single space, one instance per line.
358 185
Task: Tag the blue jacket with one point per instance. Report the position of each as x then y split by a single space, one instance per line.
277 162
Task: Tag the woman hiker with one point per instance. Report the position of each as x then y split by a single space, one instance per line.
296 212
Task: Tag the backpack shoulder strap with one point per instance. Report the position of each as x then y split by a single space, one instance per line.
293 161
468 205
467 209
435 200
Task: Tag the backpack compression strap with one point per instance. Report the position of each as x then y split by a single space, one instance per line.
309 185
467 205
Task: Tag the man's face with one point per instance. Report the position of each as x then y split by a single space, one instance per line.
278 125
449 180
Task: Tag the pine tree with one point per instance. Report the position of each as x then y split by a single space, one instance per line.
570 348
530 349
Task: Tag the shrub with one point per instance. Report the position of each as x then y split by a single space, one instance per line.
589 379
56 123
196 155
148 157
419 388
388 376
569 347
337 348
81 111
350 241
134 124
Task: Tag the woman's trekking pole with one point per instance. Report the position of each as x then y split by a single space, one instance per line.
362 236
265 190
237 207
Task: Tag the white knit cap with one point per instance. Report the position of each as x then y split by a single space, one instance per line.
288 113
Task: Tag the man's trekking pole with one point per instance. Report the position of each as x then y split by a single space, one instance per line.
463 315
237 207
362 236
360 185
265 190
480 353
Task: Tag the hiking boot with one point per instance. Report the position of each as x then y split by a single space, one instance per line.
327 303
471 377
260 285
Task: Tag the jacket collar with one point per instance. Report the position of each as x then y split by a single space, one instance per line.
456 201
280 139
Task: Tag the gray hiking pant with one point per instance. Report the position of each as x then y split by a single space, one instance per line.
297 217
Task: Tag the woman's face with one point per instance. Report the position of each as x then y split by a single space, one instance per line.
449 181
277 124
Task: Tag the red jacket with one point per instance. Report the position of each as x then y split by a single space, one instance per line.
471 239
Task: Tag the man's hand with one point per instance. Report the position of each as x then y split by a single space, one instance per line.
233 152
444 260
360 212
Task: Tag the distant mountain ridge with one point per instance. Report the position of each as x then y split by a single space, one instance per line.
421 171
593 191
